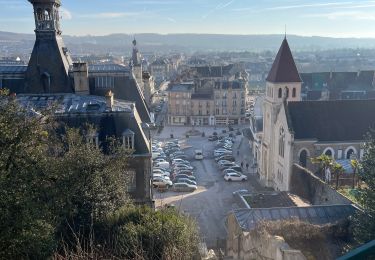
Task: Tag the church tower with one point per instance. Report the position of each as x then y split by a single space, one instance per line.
283 85
48 69
136 65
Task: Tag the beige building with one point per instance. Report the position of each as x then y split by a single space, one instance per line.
221 104
294 131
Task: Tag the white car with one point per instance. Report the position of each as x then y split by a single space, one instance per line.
235 177
161 176
230 171
161 182
164 173
159 160
221 162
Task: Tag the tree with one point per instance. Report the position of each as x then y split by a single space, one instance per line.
324 162
52 186
364 222
355 166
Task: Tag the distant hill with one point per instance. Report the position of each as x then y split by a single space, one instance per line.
121 43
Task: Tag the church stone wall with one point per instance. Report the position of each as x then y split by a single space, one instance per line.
306 185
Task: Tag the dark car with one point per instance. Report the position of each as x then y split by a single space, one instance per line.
185 176
184 180
182 171
225 157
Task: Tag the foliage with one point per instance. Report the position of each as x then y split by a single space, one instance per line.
51 187
139 233
364 222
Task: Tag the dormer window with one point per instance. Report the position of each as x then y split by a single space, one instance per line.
93 139
128 139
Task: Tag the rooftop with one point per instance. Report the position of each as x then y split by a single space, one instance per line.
71 103
319 215
284 69
182 87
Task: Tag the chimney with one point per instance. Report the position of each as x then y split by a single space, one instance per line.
81 78
109 100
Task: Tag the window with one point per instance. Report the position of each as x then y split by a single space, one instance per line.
350 152
287 92
294 92
280 93
281 142
217 111
303 158
225 95
329 152
131 180
104 82
93 139
128 139
234 103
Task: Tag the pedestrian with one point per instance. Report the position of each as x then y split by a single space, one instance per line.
238 152
241 164
247 167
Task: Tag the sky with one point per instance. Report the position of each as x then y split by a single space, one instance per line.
301 17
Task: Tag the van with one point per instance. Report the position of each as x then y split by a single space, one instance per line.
163 165
198 155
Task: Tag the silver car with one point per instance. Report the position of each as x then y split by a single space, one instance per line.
184 187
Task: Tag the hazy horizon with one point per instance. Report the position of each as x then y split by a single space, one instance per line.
337 19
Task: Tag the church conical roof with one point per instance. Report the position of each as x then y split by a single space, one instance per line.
284 69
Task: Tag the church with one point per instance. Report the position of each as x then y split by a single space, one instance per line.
106 96
294 131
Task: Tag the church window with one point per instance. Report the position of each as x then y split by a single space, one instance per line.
280 93
128 139
294 92
350 152
287 92
303 158
329 152
282 142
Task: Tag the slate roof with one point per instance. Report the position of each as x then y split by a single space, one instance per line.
229 84
214 71
12 69
202 96
183 87
284 69
76 110
339 120
96 68
318 215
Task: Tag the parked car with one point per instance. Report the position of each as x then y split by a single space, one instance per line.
177 161
184 180
230 171
236 168
221 162
161 182
184 187
185 176
225 157
157 160
164 173
164 165
183 171
181 156
212 138
235 177
161 175
226 165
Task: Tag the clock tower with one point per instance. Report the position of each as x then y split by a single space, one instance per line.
48 69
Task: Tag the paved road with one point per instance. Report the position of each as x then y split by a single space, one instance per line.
210 204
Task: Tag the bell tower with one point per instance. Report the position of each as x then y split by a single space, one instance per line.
48 69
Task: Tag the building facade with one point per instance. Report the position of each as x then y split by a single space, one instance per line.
222 103
294 131
84 94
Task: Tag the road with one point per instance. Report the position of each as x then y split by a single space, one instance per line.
213 200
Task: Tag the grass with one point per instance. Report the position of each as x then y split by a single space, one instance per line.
349 193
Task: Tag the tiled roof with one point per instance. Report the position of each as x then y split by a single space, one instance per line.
339 120
319 215
284 69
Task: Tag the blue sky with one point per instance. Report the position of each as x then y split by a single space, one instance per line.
302 17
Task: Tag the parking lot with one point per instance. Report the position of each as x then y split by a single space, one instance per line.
213 199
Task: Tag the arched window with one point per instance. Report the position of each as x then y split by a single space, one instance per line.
287 92
329 152
303 158
280 93
281 142
350 152
294 92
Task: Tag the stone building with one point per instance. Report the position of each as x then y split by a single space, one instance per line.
160 70
148 87
84 94
220 103
295 130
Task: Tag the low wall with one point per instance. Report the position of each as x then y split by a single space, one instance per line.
306 185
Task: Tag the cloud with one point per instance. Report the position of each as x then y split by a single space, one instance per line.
171 20
218 7
353 15
65 14
332 4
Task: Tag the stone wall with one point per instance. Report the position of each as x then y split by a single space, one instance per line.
306 185
255 245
